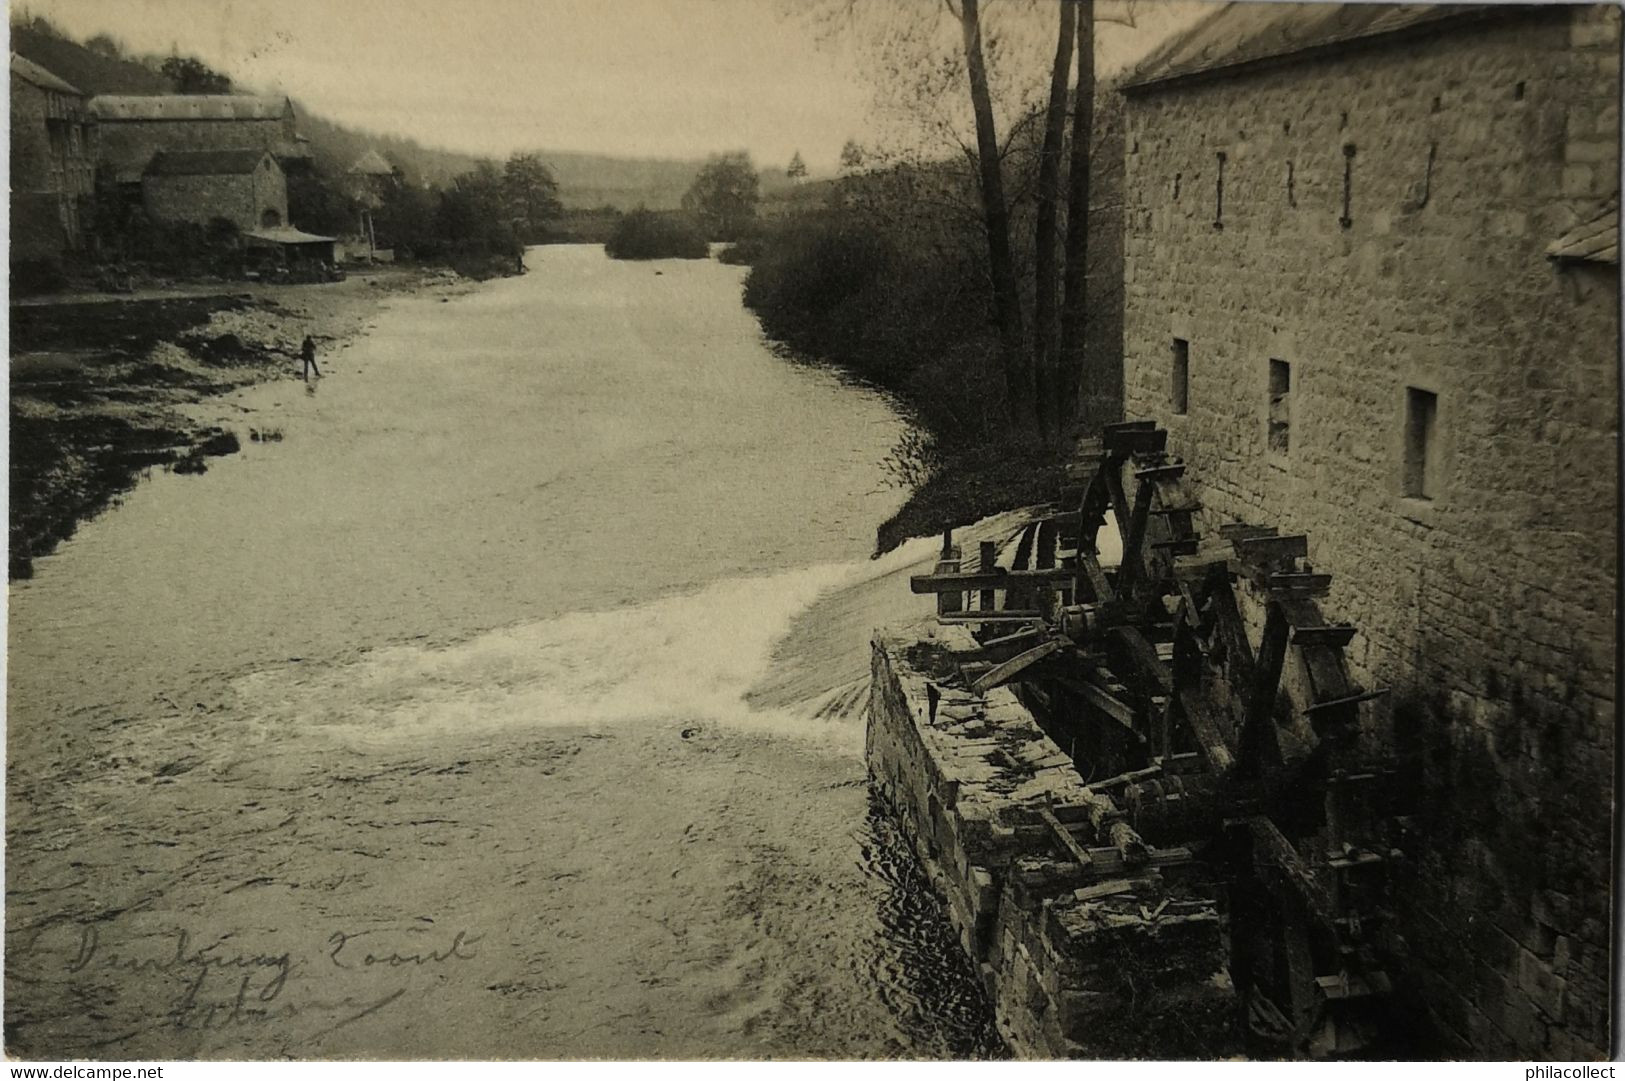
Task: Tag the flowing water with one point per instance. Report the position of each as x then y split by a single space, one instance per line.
509 705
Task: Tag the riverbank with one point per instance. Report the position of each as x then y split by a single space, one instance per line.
975 484
99 384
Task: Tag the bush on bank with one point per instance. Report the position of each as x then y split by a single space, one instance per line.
644 234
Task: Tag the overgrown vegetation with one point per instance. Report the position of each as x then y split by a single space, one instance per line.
646 234
969 274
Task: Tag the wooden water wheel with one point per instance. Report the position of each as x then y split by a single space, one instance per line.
1196 681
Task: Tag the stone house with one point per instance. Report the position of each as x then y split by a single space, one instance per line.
1371 290
52 161
245 187
133 128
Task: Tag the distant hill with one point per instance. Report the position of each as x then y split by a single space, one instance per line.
594 180
586 181
337 147
89 71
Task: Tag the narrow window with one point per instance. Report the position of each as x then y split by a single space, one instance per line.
1280 433
1348 185
1182 376
1218 196
1421 416
1517 92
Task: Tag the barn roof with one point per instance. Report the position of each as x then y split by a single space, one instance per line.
29 71
1242 34
1594 240
372 163
116 107
206 162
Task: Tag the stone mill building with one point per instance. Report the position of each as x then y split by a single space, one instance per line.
1371 290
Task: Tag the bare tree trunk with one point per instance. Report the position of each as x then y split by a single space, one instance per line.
1075 306
1048 385
996 215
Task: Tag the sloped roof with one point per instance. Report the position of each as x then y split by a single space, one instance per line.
1241 34
115 107
287 234
1594 240
372 163
206 162
31 72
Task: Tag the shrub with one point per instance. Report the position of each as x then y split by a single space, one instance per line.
643 234
889 307
745 251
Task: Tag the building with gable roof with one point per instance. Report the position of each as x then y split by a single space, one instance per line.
135 127
1371 290
245 187
52 161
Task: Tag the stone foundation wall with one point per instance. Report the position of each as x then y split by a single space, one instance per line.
1127 967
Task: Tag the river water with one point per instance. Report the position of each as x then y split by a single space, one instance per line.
508 705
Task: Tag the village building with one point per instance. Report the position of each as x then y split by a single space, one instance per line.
135 127
245 187
1371 290
52 162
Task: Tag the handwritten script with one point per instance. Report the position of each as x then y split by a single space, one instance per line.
222 985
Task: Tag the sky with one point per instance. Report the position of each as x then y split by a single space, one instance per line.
645 78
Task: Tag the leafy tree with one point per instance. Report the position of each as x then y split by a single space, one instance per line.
644 234
192 76
106 45
531 193
797 169
851 157
724 196
318 204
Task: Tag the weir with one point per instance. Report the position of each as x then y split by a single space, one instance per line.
1143 783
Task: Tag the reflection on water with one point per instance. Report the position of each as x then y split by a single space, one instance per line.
494 638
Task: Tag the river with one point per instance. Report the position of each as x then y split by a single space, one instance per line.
508 705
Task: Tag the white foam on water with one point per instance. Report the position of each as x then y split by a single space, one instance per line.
689 658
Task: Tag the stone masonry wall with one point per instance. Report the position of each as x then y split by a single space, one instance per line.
1488 608
1076 967
128 145
243 198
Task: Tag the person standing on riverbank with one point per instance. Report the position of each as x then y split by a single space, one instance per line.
308 352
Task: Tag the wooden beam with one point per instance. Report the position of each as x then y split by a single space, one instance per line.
1205 730
1161 472
1272 549
1132 567
1145 657
1013 667
970 581
1233 633
1105 701
1257 721
1272 848
1334 635
1344 702
1064 835
1022 639
1096 577
1232 531
1006 616
1137 441
1313 585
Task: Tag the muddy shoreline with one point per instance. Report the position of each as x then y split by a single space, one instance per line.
99 384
